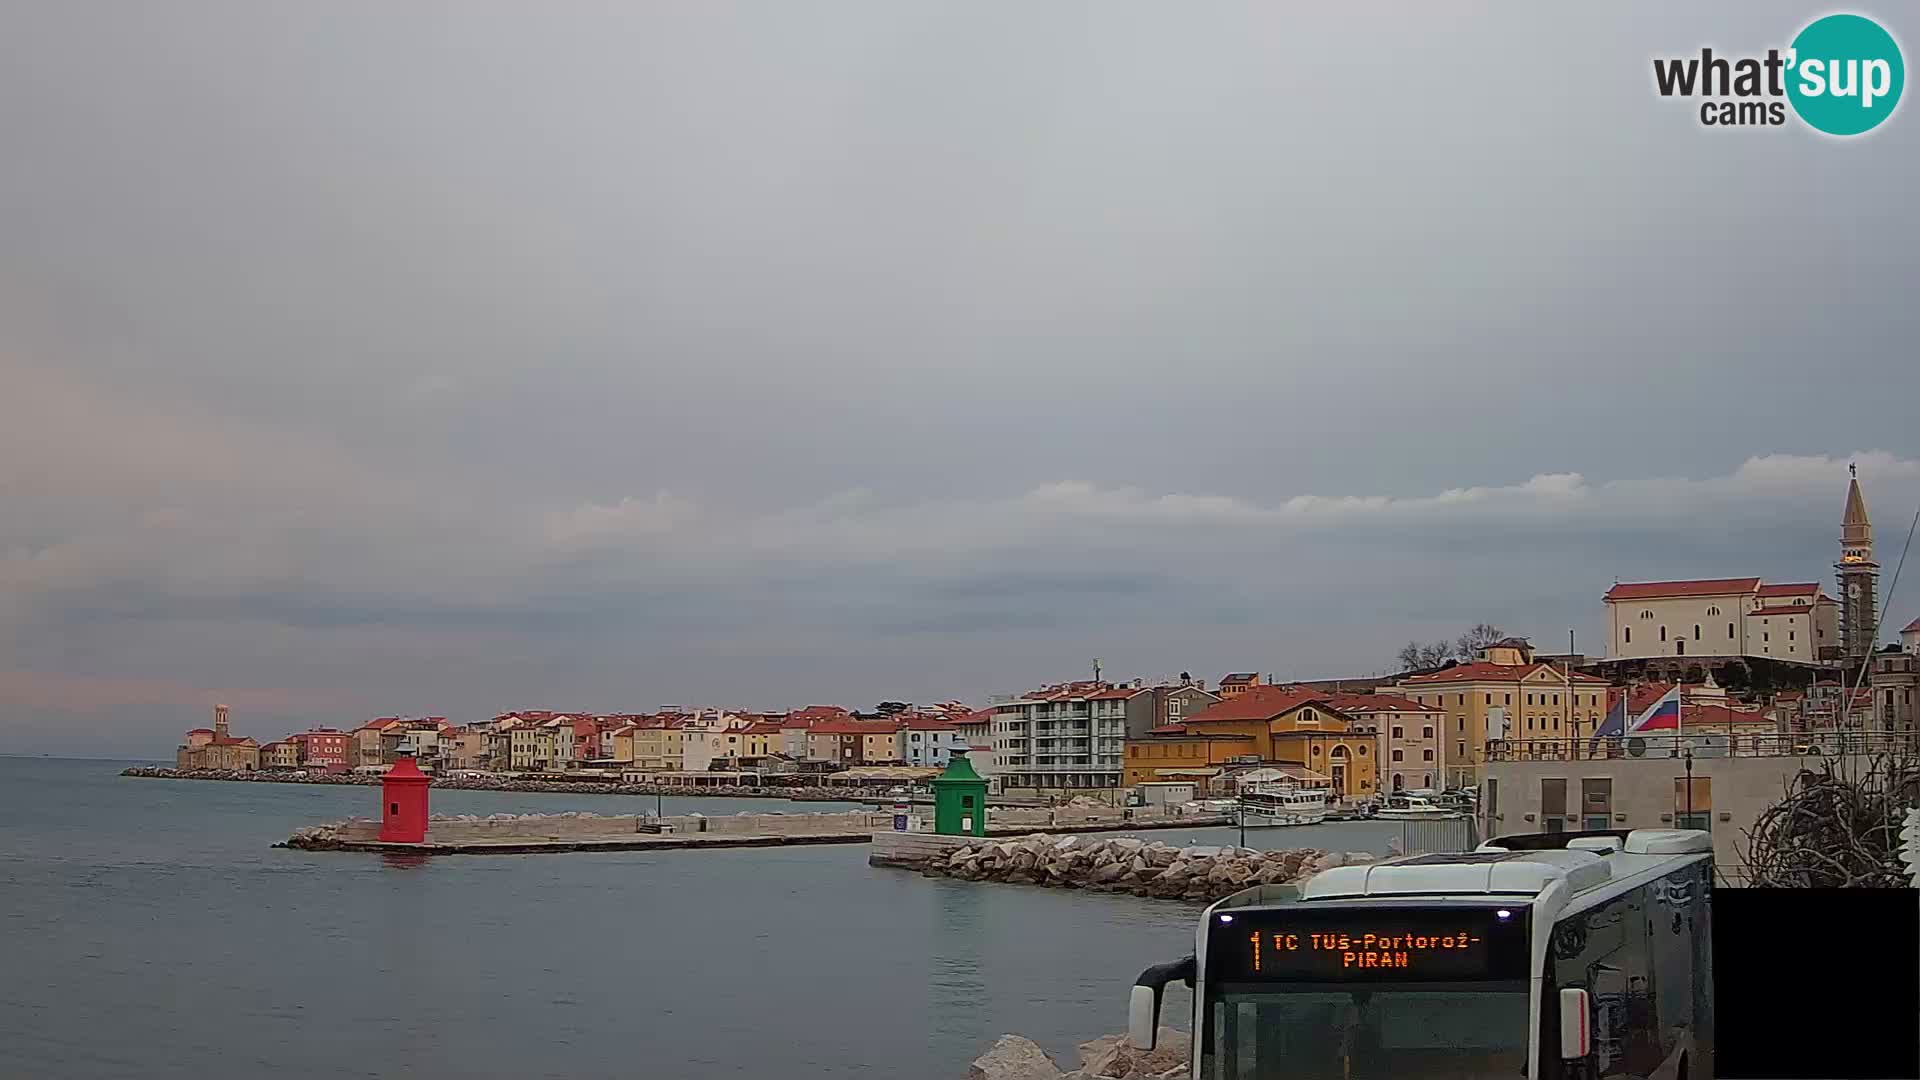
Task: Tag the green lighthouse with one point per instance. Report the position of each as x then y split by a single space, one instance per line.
960 799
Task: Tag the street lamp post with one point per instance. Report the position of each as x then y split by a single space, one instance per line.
1689 784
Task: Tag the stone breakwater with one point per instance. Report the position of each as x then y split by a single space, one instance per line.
1109 1058
501 783
1131 865
583 831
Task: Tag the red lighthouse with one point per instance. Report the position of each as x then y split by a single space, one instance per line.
403 795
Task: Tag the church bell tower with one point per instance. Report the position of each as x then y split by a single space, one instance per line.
1859 577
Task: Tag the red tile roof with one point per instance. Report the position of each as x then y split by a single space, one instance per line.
1481 670
1258 703
1798 588
927 723
1360 703
764 727
1169 729
1237 677
853 727
1118 693
818 712
1086 688
1660 590
200 731
1912 627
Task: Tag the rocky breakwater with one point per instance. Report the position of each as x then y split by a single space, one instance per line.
1108 1058
1131 865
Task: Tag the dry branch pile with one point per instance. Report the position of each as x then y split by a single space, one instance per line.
1835 828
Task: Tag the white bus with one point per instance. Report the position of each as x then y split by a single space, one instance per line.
1555 957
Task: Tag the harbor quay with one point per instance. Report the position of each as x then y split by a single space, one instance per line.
511 834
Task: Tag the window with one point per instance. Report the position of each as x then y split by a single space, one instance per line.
1663 633
1396 731
1789 635
1729 631
1397 755
1713 611
1361 749
1507 700
1764 636
1628 631
1426 732
1489 699
1459 723
1696 631
1648 614
1427 754
1529 699
1460 752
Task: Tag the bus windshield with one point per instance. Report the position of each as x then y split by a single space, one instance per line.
1438 1031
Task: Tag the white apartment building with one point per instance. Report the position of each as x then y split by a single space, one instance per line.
1721 617
1062 738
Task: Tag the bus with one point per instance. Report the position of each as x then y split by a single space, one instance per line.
1567 956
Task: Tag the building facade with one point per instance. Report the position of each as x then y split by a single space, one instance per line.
1721 617
1265 727
1896 691
1507 696
325 748
1063 738
927 742
1723 795
1233 684
1407 740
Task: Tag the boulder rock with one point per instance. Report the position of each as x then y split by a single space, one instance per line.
1013 1058
1114 1056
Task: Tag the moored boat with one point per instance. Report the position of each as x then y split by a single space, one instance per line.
1265 806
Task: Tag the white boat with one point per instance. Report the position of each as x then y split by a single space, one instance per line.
1262 805
1413 807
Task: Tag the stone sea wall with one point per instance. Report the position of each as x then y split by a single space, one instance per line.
499 783
474 828
1131 865
1109 1058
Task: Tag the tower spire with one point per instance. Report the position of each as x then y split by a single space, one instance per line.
1859 575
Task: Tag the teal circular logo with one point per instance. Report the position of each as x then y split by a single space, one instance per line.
1845 74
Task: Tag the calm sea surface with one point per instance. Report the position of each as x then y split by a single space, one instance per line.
149 929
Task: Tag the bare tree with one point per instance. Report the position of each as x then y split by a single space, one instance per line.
1476 638
1414 656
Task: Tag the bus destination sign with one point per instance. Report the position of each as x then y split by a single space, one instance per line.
1371 944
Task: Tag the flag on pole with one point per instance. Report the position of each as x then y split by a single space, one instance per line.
1615 725
1662 715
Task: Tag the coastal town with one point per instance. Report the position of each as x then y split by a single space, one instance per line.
1709 696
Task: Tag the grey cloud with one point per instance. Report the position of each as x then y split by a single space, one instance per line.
749 353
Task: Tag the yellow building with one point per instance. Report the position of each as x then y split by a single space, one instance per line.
762 739
280 755
879 747
1506 696
1270 725
659 749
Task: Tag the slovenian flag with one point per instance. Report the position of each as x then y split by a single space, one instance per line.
1615 725
1662 715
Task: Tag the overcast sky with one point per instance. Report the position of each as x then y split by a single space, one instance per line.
367 358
